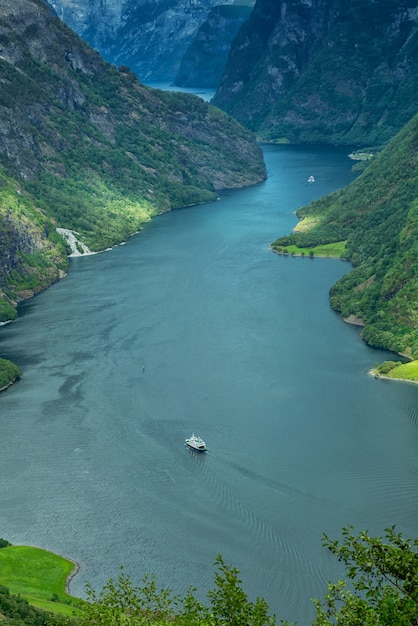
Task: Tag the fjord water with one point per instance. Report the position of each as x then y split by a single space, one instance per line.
196 326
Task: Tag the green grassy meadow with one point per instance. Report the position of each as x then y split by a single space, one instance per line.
405 371
332 250
39 577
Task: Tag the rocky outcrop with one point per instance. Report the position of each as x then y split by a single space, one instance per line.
149 36
324 70
203 63
32 257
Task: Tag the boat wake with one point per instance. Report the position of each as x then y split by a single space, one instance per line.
269 536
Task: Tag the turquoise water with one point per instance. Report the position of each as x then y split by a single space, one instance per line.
204 92
196 326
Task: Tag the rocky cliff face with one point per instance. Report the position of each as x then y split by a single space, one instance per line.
203 63
32 255
324 70
149 36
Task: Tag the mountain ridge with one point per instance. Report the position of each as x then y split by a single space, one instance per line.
324 71
149 37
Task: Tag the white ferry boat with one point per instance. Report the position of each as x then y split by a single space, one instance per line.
196 443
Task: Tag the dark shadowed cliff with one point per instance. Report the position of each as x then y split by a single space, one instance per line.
324 70
204 61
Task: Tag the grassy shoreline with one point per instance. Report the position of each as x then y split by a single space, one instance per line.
40 577
329 250
404 372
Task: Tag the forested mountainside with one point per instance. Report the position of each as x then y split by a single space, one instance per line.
85 146
204 61
376 217
149 37
324 71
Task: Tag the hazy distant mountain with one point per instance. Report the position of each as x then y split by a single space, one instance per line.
204 61
324 70
149 36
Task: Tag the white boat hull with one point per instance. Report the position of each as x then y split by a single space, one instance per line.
195 443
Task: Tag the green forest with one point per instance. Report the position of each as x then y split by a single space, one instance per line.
373 224
86 147
121 155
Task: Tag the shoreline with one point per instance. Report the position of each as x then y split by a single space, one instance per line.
71 575
378 376
36 562
12 382
354 320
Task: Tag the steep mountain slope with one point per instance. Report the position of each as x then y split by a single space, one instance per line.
377 217
32 254
149 36
324 70
86 147
204 61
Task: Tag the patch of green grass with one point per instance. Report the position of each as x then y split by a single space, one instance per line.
332 250
39 577
406 371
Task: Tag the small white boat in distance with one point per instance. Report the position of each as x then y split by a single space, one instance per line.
311 179
196 443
